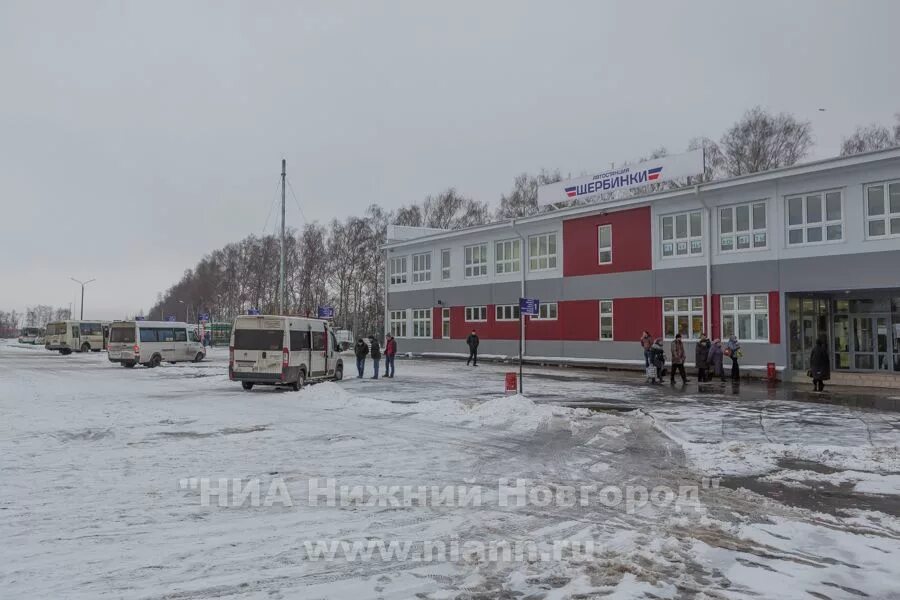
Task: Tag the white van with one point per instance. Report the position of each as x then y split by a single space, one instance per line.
76 336
31 335
152 342
270 350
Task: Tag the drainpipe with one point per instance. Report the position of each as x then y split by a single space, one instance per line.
512 224
709 247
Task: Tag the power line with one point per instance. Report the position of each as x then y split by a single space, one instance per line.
271 208
297 202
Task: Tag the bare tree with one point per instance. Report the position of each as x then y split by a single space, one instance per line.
761 141
870 138
523 199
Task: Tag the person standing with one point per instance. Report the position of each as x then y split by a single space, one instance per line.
819 365
657 361
375 352
390 351
716 355
701 357
362 351
678 360
733 351
472 341
646 343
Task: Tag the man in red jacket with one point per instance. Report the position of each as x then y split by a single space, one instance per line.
390 351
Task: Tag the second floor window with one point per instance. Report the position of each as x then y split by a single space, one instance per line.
507 257
604 244
476 261
742 227
682 234
421 267
883 209
445 264
542 252
398 270
815 218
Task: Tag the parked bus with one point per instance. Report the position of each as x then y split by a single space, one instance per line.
76 336
288 351
30 335
152 342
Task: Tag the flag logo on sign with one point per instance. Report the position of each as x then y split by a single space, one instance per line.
571 192
653 174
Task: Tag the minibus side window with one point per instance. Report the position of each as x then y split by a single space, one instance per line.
181 335
149 335
318 340
299 341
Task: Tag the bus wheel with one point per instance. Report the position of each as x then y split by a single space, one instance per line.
339 373
247 385
199 357
154 361
65 351
128 365
85 347
301 381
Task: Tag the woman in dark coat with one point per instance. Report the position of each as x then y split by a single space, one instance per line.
701 358
819 365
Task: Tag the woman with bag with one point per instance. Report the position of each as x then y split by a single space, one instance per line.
819 365
733 351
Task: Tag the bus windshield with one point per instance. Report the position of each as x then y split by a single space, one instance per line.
56 329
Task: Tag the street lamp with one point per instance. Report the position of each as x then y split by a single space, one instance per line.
82 284
187 311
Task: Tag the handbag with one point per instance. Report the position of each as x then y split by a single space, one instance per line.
651 372
727 351
809 372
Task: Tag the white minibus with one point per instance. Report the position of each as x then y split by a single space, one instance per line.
30 335
76 336
151 342
289 351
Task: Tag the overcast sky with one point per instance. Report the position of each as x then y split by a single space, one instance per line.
135 137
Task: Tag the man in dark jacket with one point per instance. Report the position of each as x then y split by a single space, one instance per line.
390 351
472 342
678 360
361 350
375 351
819 365
701 357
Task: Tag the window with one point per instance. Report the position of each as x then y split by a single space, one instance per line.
149 335
547 311
300 341
445 264
318 340
91 329
883 209
250 339
604 244
682 234
421 322
397 323
398 270
181 335
476 313
121 334
815 218
507 312
445 323
606 319
742 227
684 316
507 256
421 266
476 261
746 316
542 252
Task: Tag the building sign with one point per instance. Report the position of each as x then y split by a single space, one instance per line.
326 312
657 170
529 306
204 317
139 318
252 311
170 318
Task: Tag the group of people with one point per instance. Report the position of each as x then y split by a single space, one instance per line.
708 358
373 350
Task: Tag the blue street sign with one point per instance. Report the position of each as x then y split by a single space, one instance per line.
326 312
171 318
529 306
204 316
252 311
139 318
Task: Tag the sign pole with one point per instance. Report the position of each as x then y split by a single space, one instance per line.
521 344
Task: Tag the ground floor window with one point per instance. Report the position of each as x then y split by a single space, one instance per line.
606 319
421 323
547 311
476 313
683 315
445 323
507 312
397 320
746 316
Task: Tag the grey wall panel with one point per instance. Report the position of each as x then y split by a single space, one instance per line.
635 284
841 272
689 281
748 277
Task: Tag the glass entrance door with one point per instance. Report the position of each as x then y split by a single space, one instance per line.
872 344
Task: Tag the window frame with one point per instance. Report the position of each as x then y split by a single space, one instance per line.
470 310
610 314
752 232
690 313
888 214
393 273
510 309
445 322
675 240
470 268
515 243
824 224
736 312
541 311
445 270
402 322
421 275
601 249
551 258
420 323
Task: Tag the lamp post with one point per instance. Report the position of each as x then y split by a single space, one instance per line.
82 284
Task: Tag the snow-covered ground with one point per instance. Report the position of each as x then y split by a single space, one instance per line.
102 471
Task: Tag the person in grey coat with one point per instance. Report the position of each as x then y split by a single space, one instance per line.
716 356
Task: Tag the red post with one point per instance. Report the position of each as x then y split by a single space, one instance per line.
770 371
511 383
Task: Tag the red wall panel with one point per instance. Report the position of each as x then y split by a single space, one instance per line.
458 330
631 316
580 320
436 323
774 318
631 243
716 318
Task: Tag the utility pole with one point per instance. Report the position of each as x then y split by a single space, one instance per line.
281 271
82 284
